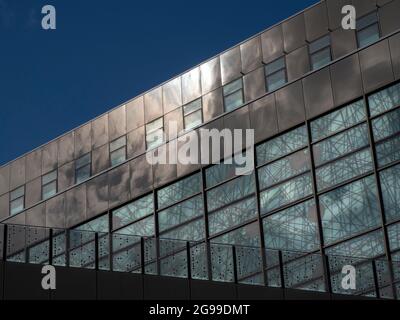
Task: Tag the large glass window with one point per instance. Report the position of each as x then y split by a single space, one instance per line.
281 145
193 231
83 168
394 242
338 120
49 185
367 29
155 133
320 52
384 100
275 74
179 190
118 151
142 228
350 210
17 200
193 114
180 213
233 95
390 183
295 228
133 211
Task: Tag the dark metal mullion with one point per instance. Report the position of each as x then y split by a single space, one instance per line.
286 155
328 286
260 225
385 112
380 197
277 184
206 225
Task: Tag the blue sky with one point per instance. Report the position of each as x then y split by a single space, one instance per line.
106 52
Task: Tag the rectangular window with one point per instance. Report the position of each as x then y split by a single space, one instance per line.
82 168
320 52
118 151
275 73
233 95
17 200
155 133
367 29
193 114
49 185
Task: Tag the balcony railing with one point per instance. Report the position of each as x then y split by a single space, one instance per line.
375 277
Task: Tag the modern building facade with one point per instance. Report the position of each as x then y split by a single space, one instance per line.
324 103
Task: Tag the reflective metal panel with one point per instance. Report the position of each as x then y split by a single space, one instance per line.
17 173
389 17
66 176
116 123
75 205
318 94
213 104
346 80
55 212
263 117
97 195
153 107
135 114
210 75
272 44
335 12
290 106
364 6
34 164
83 140
254 84
294 33
172 120
297 63
4 206
4 179
251 54
136 142
191 87
183 169
230 65
36 216
100 159
316 20
66 148
33 192
164 173
376 66
118 181
141 179
343 42
100 131
172 95
395 52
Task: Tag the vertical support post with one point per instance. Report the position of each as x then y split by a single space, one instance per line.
50 246
327 275
376 282
5 239
281 272
67 242
234 260
188 262
142 262
96 251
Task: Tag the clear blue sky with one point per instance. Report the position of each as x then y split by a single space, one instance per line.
106 52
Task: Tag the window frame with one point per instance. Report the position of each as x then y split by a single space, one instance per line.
55 180
241 89
186 115
15 199
314 52
268 75
118 149
81 167
154 130
366 27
